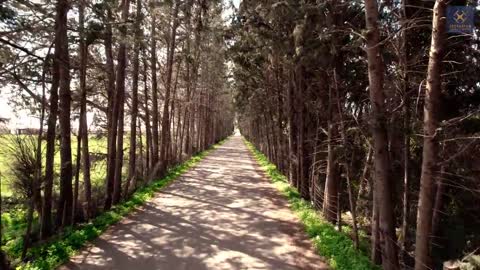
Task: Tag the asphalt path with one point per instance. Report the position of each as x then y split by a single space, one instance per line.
222 214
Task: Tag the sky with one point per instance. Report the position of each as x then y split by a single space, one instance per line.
22 118
229 11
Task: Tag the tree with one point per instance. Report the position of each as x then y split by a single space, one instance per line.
83 129
112 109
46 218
165 135
119 102
197 104
65 201
383 189
430 142
155 111
134 111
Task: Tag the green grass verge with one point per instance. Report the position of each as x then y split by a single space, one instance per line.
335 246
59 249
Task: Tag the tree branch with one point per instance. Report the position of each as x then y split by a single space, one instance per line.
4 41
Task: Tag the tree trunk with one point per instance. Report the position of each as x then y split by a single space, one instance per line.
375 252
120 102
148 129
332 178
134 111
406 131
83 129
366 187
46 218
155 111
64 208
76 183
179 125
279 125
438 203
292 145
117 188
302 175
140 149
347 165
430 143
165 135
383 186
315 189
28 231
111 114
175 108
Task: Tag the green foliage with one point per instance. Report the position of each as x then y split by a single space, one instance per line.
98 148
58 250
336 246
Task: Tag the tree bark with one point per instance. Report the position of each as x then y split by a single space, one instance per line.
383 186
406 130
351 200
430 141
64 208
134 111
438 203
332 176
84 155
111 113
46 218
120 102
302 167
375 252
155 111
281 155
292 144
76 183
366 187
148 129
316 190
165 135
140 149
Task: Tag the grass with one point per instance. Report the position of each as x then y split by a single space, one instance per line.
337 247
59 249
96 146
14 204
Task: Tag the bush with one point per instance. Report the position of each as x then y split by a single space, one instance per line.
22 153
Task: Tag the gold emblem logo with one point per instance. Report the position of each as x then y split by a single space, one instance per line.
460 16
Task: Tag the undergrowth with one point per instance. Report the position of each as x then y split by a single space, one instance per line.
337 247
60 248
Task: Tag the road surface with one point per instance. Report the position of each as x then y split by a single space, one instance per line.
222 214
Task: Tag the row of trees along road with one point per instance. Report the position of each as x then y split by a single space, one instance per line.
372 110
157 67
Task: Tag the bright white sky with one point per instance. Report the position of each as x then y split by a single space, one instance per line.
23 119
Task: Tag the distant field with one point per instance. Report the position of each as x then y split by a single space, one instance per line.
97 149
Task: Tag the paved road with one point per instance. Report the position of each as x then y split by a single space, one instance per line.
222 214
